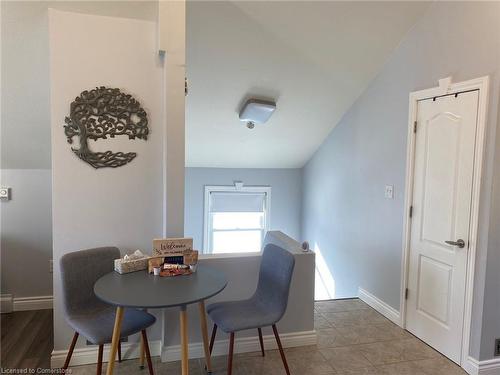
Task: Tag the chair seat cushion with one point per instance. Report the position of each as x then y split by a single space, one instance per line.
96 324
236 316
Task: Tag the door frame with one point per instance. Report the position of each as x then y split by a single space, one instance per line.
446 88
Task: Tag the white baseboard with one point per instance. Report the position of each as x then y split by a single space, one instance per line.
6 303
489 367
474 367
471 366
388 311
33 303
9 304
242 345
88 355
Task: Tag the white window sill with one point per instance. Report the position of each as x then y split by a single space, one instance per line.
230 255
275 237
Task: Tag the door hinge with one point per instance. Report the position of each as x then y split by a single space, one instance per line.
415 127
406 293
411 211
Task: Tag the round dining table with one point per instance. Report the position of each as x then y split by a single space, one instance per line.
146 291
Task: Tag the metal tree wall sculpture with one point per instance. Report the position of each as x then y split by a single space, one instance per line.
101 113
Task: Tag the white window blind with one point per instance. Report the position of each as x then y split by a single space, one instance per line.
237 202
236 220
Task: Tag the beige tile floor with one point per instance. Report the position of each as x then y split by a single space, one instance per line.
353 339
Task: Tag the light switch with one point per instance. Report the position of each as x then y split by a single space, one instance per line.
389 191
5 193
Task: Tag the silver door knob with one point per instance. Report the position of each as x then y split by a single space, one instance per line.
458 243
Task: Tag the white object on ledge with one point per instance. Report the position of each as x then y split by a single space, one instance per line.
305 246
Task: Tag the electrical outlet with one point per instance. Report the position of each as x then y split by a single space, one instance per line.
51 266
389 191
5 193
497 347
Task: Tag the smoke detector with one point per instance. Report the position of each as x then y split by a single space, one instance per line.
256 111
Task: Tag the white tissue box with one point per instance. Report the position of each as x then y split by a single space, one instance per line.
125 266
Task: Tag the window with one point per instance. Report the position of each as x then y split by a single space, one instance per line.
236 218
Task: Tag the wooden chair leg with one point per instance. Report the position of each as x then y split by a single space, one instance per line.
146 350
141 358
230 355
282 353
99 359
70 351
261 340
212 339
119 351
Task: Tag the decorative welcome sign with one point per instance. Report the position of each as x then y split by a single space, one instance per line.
173 257
172 246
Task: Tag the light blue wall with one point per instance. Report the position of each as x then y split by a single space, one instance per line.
346 216
286 196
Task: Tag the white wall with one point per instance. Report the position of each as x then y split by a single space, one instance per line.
286 196
27 237
491 321
25 73
346 216
110 206
25 157
26 228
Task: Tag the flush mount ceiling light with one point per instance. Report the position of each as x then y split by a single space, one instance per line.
256 112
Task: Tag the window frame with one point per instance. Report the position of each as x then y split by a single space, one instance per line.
207 218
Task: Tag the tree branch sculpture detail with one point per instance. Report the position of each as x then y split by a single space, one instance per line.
101 113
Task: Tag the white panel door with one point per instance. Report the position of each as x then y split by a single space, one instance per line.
441 207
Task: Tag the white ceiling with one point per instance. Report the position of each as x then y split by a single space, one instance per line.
313 58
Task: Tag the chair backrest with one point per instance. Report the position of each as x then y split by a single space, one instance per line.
275 276
79 271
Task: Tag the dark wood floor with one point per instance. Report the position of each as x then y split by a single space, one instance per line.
27 339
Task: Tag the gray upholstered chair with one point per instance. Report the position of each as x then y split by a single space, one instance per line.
265 308
85 313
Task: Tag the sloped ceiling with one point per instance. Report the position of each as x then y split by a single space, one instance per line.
313 58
